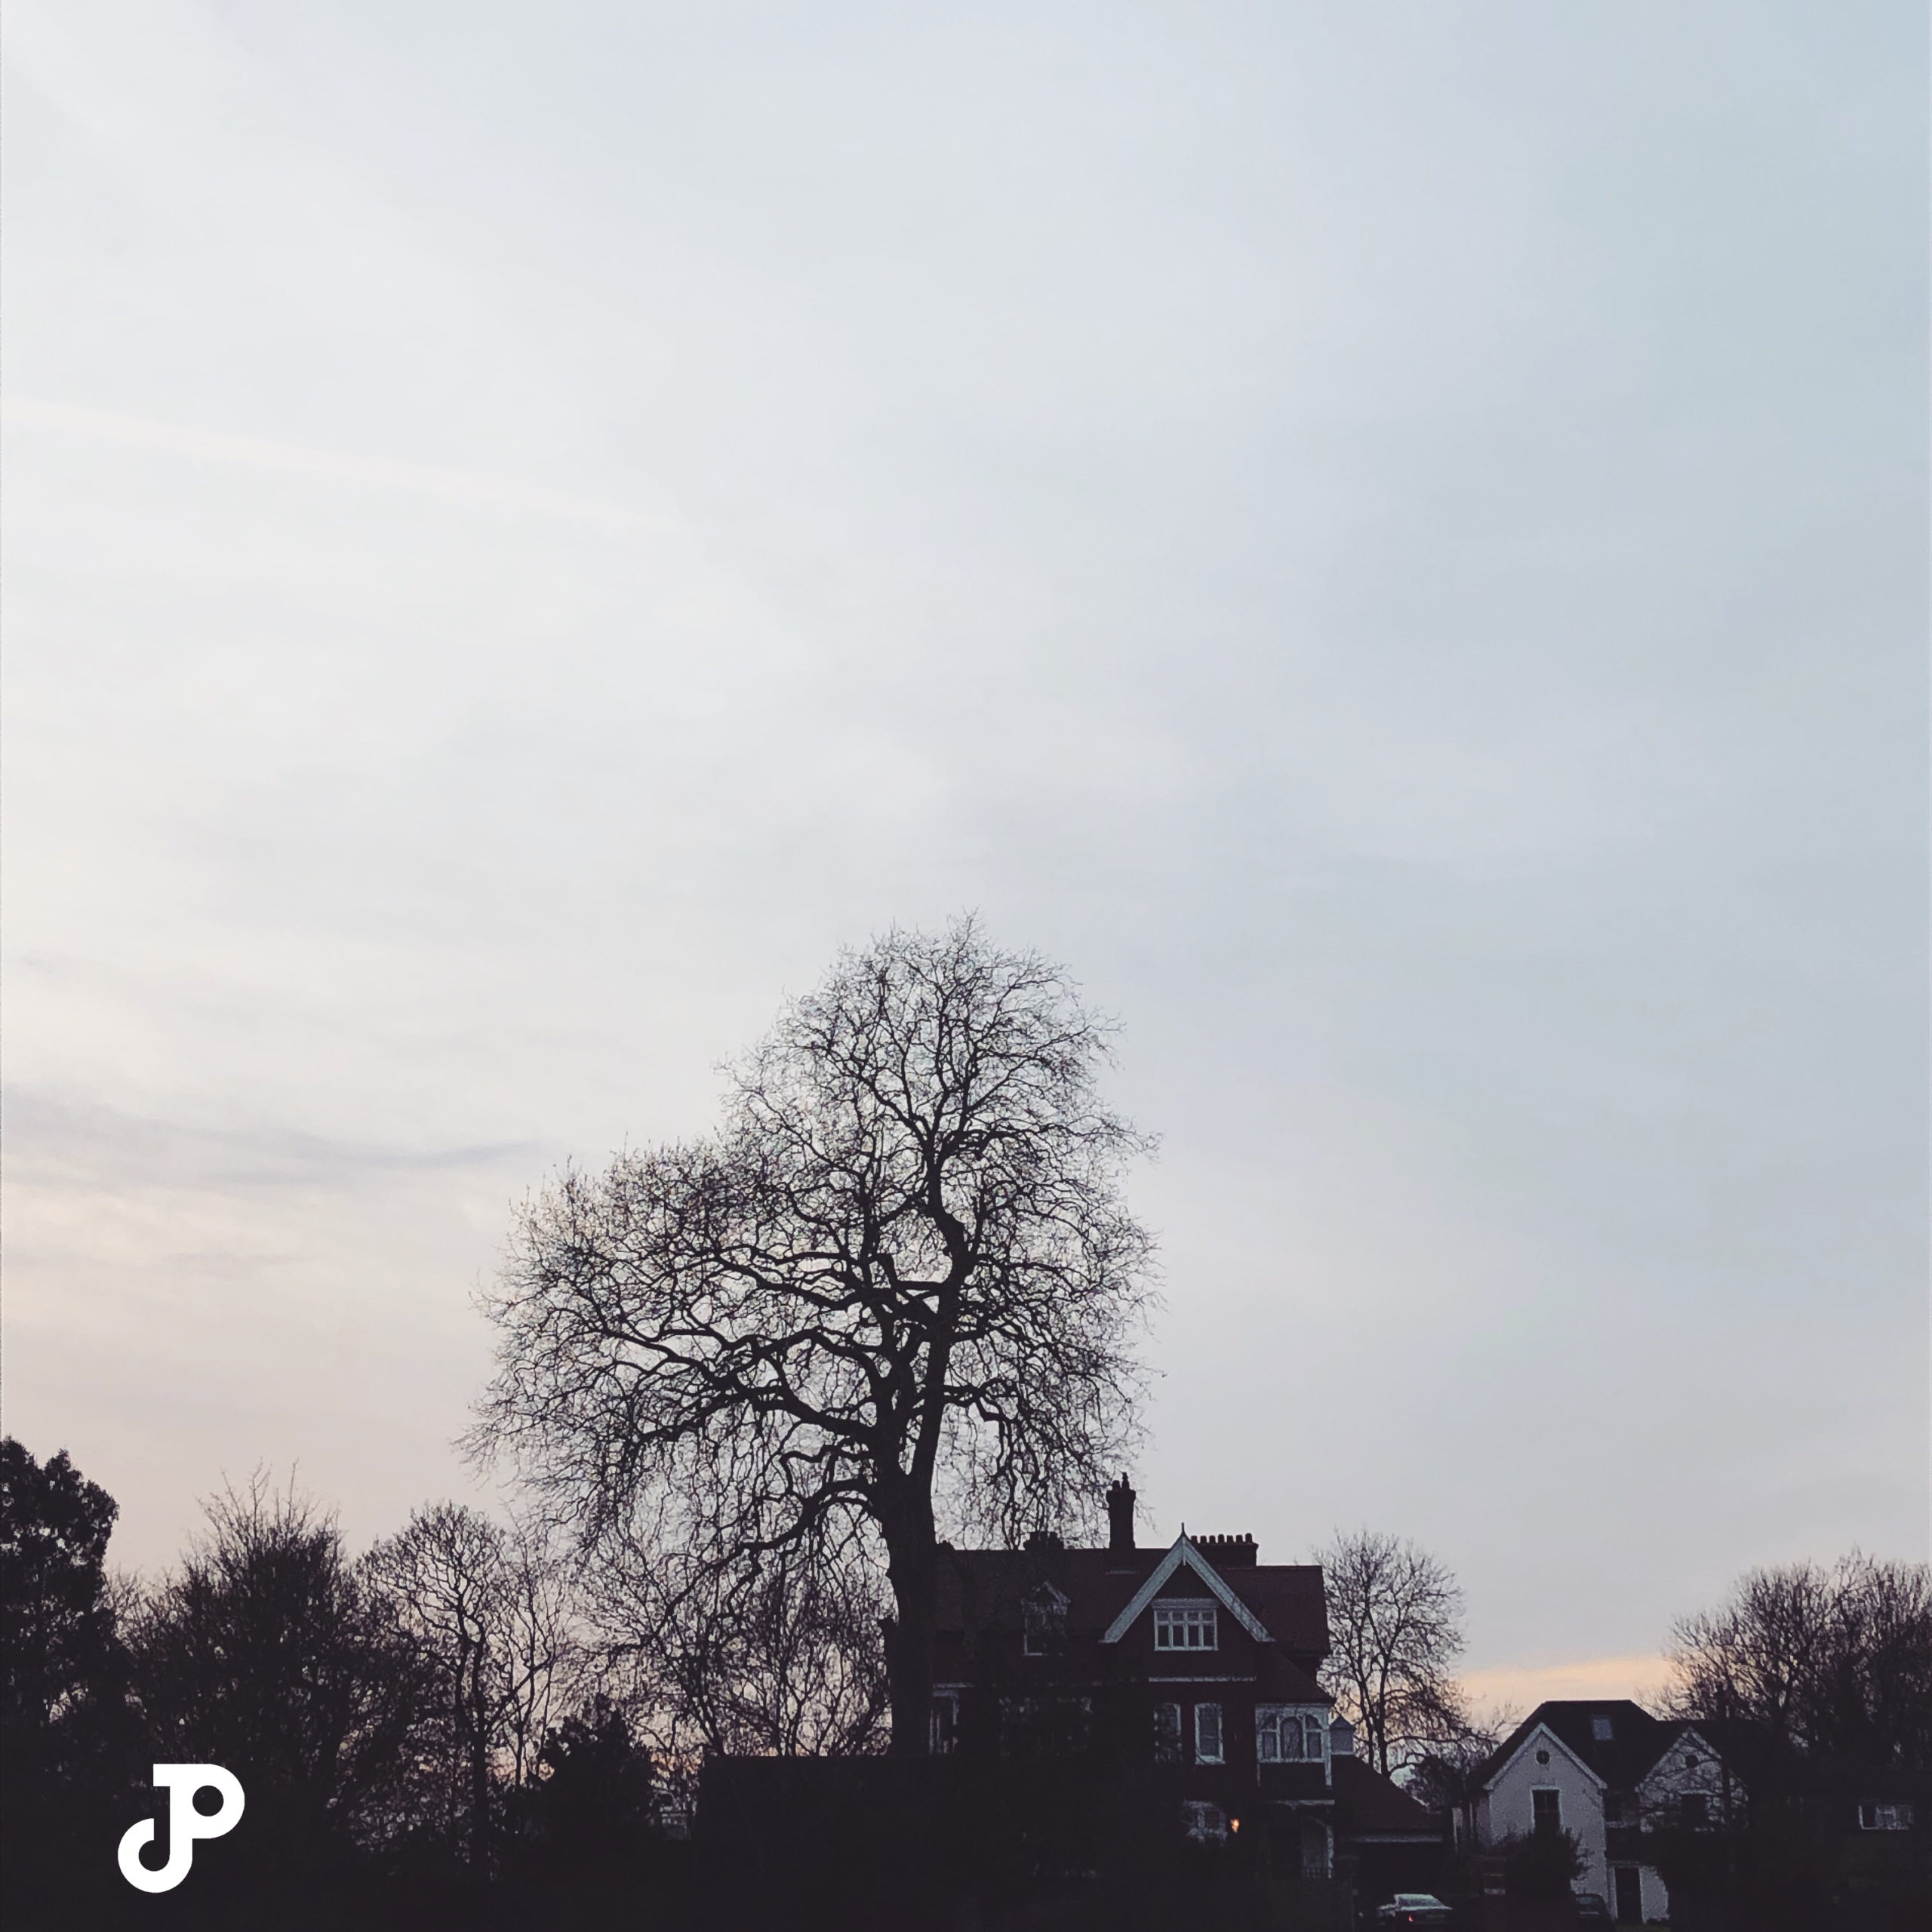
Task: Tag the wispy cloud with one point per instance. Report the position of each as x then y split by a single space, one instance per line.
1413 588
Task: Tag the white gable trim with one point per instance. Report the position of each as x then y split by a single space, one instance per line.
1184 1552
1543 1731
1691 1736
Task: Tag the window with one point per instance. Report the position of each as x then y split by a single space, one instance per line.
1694 1808
1284 1736
1884 1817
945 1725
1167 1734
1205 1824
1602 1730
1546 1810
1046 1623
1206 1733
1185 1627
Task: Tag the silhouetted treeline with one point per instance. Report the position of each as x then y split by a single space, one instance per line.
451 1729
416 1740
1815 1683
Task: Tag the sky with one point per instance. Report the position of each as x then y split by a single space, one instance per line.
1391 539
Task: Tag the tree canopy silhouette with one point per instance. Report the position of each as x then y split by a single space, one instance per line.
1823 1663
894 1292
65 1734
268 1650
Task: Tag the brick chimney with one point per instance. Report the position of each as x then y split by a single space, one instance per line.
1120 1516
1228 1552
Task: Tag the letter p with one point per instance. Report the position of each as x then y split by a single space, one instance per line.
185 1824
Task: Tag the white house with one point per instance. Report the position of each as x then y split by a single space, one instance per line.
1607 1773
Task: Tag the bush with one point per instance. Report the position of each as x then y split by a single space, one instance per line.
1541 1865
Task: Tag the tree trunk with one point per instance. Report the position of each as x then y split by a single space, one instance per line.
912 1564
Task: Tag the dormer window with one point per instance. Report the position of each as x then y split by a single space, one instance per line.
1185 1627
1602 1730
1046 1623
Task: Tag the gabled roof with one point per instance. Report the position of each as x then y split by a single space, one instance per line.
1681 1731
1520 1739
1183 1552
1636 1741
987 1590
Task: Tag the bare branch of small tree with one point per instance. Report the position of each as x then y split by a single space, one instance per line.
547 1663
488 1610
1394 1632
1440 1774
781 1655
445 1575
895 1289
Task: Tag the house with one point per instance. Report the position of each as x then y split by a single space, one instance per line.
1116 1722
1195 1665
1610 1774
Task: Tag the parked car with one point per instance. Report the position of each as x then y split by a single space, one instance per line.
1414 1908
1591 1910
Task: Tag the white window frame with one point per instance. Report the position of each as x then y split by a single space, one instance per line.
1194 1615
1289 1734
1207 1717
1204 1822
1270 1720
1896 1816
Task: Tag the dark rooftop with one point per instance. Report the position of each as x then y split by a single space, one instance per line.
988 1586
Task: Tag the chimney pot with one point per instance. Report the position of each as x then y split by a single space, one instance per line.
1229 1552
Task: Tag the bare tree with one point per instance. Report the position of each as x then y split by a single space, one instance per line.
445 1575
780 1655
1394 1629
485 1607
545 1665
1833 1662
894 1289
1442 1773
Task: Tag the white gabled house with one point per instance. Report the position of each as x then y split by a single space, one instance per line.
1608 1773
1543 1785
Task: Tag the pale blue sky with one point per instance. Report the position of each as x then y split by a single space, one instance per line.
1391 538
